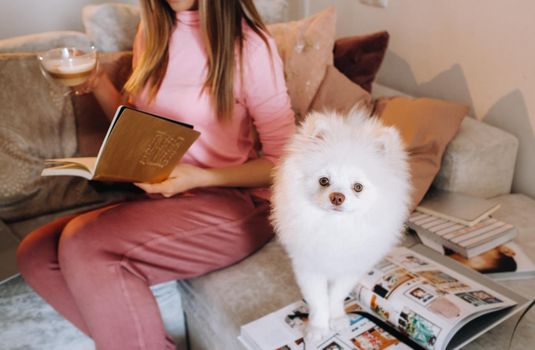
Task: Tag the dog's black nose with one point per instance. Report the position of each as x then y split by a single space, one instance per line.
337 198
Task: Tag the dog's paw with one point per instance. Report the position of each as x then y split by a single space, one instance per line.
314 335
340 323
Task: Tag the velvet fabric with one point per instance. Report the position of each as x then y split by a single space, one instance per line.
359 57
338 93
426 126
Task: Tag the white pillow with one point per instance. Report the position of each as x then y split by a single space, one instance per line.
272 11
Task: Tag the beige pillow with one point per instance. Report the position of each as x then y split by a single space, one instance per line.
305 47
426 126
338 93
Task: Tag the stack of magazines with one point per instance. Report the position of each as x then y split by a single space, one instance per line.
414 298
461 227
460 223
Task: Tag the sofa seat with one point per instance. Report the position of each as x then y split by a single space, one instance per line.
217 304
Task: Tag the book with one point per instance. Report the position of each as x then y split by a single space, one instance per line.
413 298
460 208
138 147
469 241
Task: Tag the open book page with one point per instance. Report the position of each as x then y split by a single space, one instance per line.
426 301
284 330
87 163
81 166
138 147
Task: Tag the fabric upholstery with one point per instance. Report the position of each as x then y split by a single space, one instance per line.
426 127
479 160
111 27
220 302
359 57
38 123
43 41
305 47
338 93
478 151
272 11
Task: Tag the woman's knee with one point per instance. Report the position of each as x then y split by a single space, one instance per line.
38 250
79 241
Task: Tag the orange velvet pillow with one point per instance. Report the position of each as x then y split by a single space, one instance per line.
426 126
306 49
338 93
359 57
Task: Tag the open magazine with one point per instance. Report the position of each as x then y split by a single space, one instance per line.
413 298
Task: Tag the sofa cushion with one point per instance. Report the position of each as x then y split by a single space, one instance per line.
38 123
479 161
426 127
111 27
305 47
219 302
271 10
359 57
338 93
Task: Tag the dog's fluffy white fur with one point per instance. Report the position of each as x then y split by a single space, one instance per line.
340 198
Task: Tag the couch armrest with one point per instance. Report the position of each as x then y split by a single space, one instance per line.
480 160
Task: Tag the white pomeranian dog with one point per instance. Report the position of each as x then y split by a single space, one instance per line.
340 199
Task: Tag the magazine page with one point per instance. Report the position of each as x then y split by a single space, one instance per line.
426 301
504 262
284 330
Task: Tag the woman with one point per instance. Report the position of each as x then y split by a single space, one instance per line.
209 63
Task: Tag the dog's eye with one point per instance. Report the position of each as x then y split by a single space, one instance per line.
324 181
357 187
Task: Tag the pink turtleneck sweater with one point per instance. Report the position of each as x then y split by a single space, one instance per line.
262 101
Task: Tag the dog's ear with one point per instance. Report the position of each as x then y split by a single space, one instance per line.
387 140
315 125
358 114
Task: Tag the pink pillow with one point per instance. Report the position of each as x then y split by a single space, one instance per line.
306 48
338 93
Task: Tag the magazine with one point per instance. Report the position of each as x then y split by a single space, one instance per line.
468 241
457 207
413 298
504 262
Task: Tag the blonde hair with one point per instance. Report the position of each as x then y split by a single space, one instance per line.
221 27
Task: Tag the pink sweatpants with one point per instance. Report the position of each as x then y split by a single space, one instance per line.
95 268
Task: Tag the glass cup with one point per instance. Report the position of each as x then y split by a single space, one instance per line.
72 67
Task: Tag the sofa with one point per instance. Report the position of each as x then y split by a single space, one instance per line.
38 122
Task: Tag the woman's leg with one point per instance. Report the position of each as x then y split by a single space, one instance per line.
37 260
110 258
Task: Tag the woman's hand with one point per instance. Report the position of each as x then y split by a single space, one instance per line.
184 177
